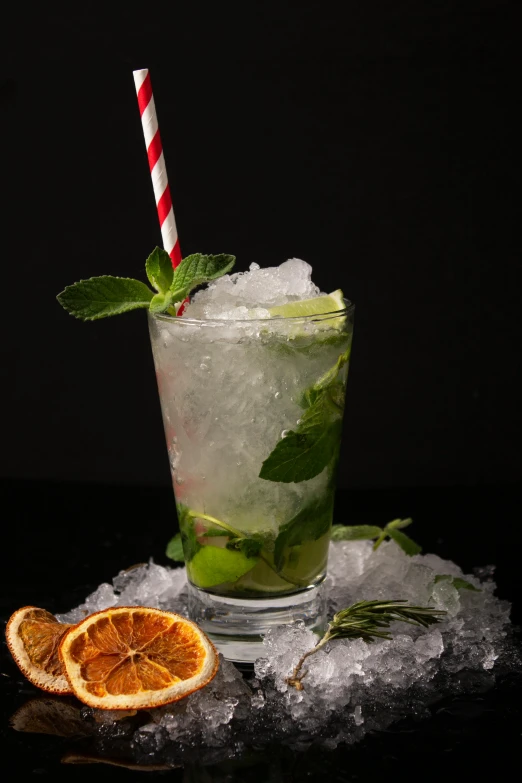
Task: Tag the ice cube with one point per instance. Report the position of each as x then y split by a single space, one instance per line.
102 598
144 585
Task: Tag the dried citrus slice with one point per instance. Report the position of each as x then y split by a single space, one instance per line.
33 637
135 657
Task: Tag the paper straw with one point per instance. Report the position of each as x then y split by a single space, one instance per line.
158 170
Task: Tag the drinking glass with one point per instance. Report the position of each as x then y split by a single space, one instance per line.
252 411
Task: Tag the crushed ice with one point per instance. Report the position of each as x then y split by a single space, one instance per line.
244 295
351 687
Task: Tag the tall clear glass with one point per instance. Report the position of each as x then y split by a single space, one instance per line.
253 415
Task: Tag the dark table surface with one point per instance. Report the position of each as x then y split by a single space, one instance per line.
62 540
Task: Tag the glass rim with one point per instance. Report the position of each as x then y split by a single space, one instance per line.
345 311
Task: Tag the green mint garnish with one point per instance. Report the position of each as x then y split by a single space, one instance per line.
407 544
326 382
309 524
306 451
160 272
162 303
457 582
100 297
175 546
370 532
175 549
197 269
250 547
191 546
366 620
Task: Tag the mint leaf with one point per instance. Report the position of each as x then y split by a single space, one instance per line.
309 524
398 524
355 532
175 549
457 582
250 547
191 546
405 542
326 381
160 302
159 270
462 584
197 269
305 452
100 297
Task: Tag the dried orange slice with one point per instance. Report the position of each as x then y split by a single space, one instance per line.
135 657
33 637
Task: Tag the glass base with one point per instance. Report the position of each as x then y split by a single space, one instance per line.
237 625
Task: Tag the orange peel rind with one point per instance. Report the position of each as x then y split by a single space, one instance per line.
136 657
33 636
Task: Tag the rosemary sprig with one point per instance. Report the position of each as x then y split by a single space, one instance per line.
365 620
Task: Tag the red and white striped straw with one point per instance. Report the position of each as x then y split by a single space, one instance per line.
158 170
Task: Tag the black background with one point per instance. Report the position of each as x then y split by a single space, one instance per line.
375 140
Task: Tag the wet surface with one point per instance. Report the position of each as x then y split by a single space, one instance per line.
94 532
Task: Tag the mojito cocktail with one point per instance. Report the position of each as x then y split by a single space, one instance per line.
252 395
251 373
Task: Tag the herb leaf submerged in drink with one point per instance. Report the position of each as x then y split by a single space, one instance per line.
252 380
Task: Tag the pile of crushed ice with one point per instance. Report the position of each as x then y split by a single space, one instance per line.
351 687
250 294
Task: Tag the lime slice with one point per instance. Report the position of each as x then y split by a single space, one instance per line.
303 563
320 305
213 565
262 579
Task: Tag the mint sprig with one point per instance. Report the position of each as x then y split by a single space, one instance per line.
101 297
312 522
306 451
369 532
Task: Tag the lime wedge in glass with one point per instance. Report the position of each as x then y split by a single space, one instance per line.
213 565
320 305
